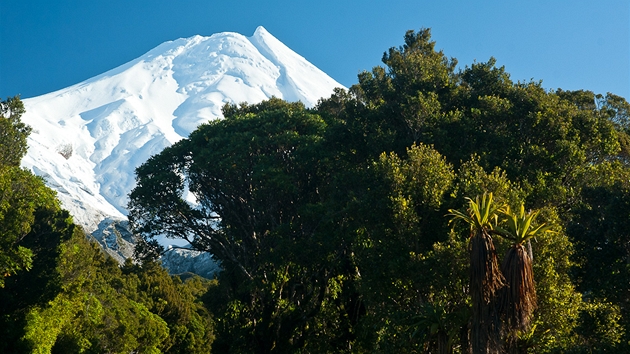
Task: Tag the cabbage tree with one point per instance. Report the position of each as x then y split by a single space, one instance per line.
518 299
485 276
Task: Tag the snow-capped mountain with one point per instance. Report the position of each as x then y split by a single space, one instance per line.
88 139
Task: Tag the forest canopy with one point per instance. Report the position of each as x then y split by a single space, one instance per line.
427 209
331 223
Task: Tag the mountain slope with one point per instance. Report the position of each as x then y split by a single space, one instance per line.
89 138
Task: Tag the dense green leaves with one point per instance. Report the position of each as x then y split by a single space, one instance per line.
13 132
21 196
21 193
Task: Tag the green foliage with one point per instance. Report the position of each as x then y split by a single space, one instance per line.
391 108
599 328
104 319
21 196
44 325
176 302
13 132
599 232
27 292
472 179
21 193
132 309
400 219
98 307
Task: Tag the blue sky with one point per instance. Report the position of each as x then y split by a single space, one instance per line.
48 45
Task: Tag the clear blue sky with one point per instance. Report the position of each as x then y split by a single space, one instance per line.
47 45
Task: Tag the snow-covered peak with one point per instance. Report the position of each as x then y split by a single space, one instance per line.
89 138
260 30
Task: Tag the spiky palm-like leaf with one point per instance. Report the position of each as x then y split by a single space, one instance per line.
519 226
481 213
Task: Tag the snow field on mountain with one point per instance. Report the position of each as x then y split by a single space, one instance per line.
88 139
